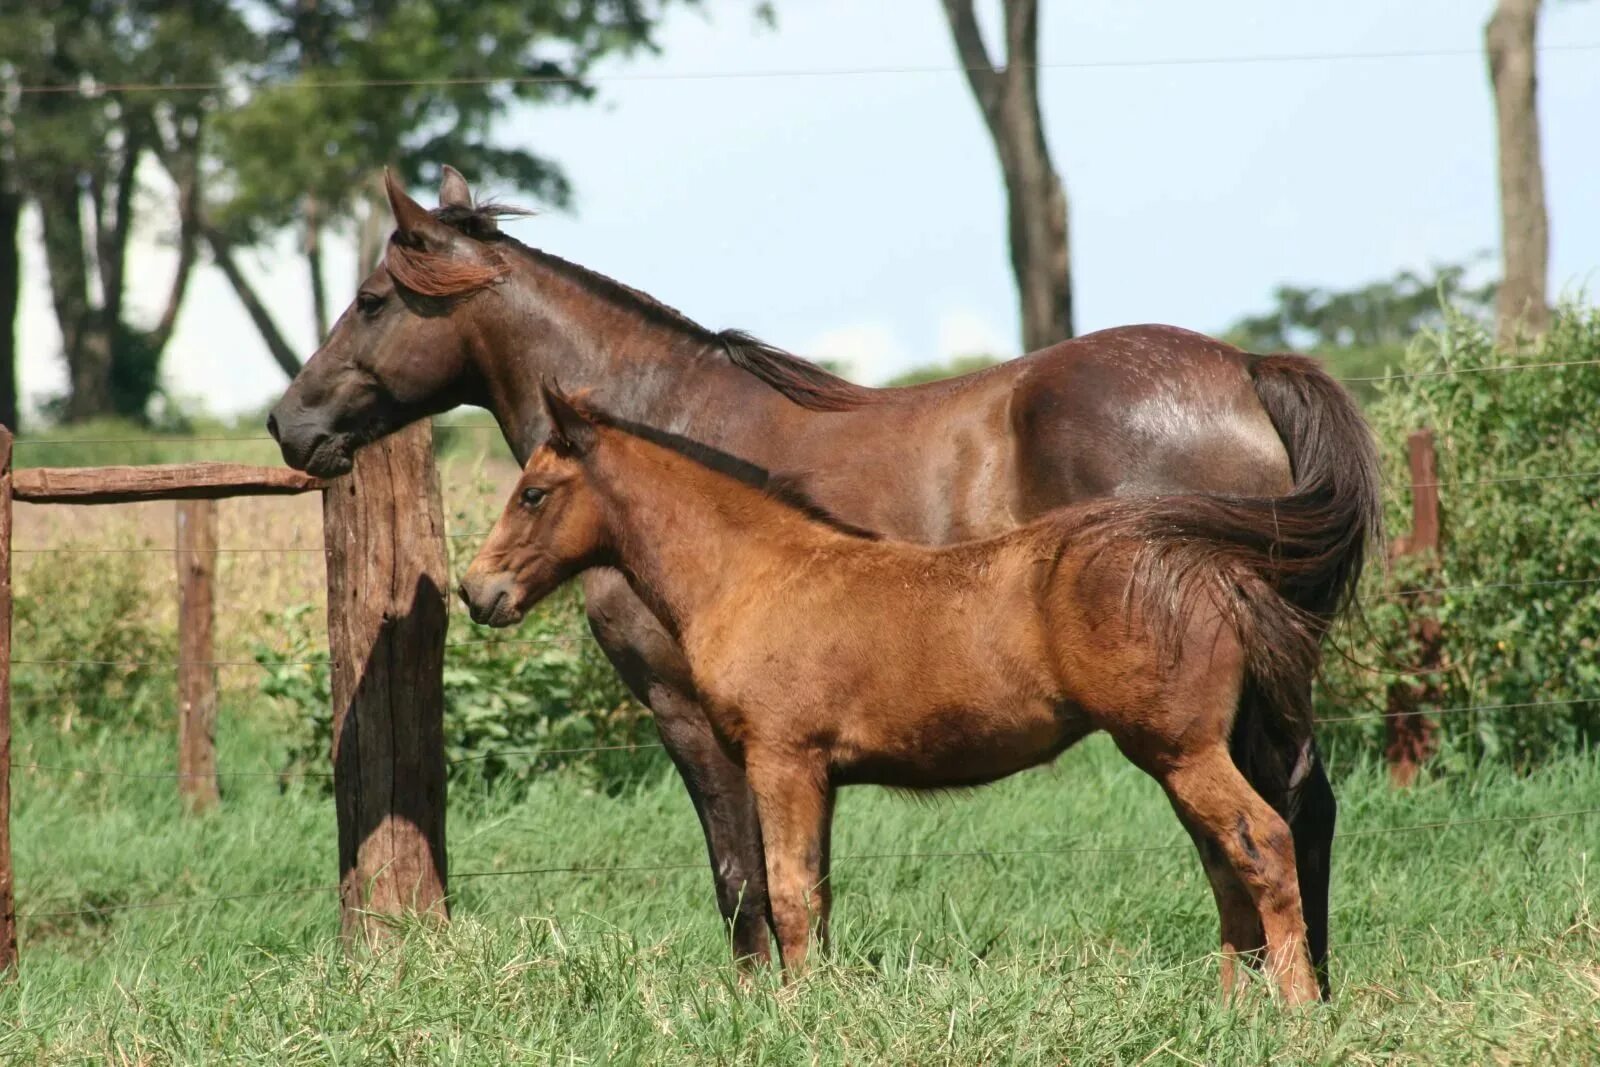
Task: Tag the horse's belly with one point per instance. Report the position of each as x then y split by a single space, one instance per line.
955 746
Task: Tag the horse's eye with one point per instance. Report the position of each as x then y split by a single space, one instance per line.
369 303
532 497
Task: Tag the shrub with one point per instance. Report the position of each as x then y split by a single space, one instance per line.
80 619
1520 559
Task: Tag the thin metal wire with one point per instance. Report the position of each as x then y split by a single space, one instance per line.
579 869
1448 371
1459 710
163 550
1484 586
790 72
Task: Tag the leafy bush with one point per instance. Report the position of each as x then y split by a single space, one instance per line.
516 702
79 620
1519 567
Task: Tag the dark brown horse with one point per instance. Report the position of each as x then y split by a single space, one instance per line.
825 657
459 313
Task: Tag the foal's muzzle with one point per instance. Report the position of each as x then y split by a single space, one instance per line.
491 600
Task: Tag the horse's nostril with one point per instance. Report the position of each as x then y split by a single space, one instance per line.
272 426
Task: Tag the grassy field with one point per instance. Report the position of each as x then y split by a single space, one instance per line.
1083 936
1474 944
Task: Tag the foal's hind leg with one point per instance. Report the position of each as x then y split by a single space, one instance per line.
1242 937
795 802
1210 794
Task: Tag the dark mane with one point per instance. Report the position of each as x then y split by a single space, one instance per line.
786 489
796 378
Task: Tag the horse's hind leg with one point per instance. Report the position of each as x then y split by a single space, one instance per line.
1210 794
1287 772
1313 811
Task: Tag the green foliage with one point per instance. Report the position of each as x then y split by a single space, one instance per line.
1363 332
515 703
310 130
1520 559
512 697
80 620
938 371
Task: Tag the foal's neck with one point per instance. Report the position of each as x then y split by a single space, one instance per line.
688 537
549 321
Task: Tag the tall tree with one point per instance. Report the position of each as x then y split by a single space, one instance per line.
1510 40
305 151
79 144
10 280
1008 97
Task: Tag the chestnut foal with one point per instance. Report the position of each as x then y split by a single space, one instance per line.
828 658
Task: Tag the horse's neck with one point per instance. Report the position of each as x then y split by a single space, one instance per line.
636 366
687 537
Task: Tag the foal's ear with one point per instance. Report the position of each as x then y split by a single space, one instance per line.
571 432
414 221
453 189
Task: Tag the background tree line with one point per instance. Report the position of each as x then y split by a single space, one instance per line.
220 125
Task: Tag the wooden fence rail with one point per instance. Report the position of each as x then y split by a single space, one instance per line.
383 530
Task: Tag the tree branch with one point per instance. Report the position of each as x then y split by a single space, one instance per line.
222 254
987 83
183 166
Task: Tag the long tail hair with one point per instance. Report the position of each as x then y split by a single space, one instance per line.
1281 569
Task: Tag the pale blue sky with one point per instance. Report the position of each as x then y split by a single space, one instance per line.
861 216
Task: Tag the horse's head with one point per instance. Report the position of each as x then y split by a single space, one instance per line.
401 350
552 528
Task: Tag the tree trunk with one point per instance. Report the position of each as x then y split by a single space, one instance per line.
10 300
1008 97
1521 308
319 294
84 338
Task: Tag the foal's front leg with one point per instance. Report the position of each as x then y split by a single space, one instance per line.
652 666
795 803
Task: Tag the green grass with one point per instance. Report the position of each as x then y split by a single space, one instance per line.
1475 944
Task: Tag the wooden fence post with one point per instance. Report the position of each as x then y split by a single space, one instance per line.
8 904
197 671
383 527
1408 733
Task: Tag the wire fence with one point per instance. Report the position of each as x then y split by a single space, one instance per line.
44 912
92 89
609 870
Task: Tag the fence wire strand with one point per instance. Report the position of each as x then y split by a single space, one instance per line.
643 868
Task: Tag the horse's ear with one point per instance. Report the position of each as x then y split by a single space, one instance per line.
571 432
453 189
411 218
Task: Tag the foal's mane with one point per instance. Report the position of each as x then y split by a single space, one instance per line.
786 489
440 275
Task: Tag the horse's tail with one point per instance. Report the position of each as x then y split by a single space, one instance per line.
1336 502
1280 569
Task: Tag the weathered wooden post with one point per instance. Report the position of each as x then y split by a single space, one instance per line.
1408 734
197 671
383 526
8 903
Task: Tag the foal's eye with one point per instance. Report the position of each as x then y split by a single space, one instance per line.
532 497
369 303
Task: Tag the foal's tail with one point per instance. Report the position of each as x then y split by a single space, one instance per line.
1280 569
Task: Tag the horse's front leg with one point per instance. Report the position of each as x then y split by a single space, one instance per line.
652 666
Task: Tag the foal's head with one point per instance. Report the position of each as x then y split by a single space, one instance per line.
552 527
